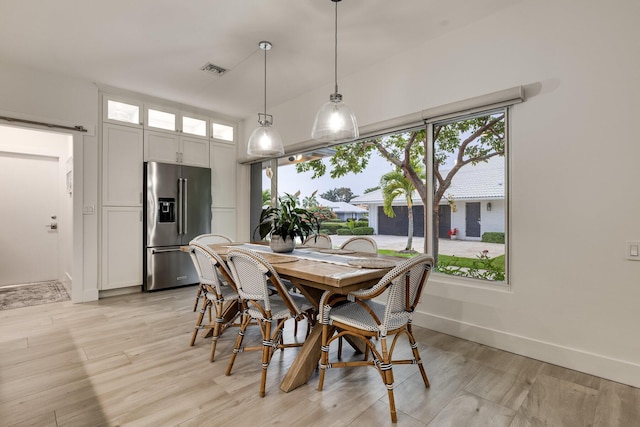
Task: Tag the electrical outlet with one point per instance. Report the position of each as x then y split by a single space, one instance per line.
633 251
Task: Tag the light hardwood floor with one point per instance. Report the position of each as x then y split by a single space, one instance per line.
126 361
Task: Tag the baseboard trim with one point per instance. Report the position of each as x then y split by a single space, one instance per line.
120 291
621 371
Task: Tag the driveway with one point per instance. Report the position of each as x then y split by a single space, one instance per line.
463 248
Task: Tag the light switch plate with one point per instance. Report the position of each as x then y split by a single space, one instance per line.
633 251
89 209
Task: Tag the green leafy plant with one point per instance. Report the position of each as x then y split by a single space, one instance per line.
482 267
287 220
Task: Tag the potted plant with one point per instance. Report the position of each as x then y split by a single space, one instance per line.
453 234
285 222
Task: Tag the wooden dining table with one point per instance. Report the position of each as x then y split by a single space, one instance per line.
313 271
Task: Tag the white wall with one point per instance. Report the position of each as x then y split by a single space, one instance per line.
574 147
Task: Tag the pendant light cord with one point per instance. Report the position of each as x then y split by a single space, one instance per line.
335 50
265 81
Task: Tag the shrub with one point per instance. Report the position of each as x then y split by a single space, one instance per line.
324 231
343 232
331 226
493 237
363 231
362 223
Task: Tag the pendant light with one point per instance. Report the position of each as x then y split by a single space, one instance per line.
265 141
335 122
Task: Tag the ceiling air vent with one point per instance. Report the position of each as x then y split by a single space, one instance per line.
213 69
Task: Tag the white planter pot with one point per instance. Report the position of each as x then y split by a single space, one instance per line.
279 245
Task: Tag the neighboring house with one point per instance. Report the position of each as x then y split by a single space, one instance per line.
343 210
477 192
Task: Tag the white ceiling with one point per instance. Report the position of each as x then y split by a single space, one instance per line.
157 47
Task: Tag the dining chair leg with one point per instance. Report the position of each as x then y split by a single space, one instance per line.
245 322
217 327
205 303
267 348
386 369
198 295
416 356
324 356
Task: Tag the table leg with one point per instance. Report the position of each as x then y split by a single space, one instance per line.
305 362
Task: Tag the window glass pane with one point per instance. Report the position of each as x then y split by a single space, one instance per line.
194 126
348 184
162 120
222 132
123 112
470 196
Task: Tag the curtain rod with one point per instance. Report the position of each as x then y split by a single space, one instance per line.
49 125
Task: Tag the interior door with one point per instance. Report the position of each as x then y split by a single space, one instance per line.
28 229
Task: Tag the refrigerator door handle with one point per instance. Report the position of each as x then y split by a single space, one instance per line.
186 204
161 251
180 206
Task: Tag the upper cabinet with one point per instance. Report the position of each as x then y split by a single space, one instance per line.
121 165
171 135
120 111
175 148
176 137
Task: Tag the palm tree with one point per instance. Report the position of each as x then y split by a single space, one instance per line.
395 184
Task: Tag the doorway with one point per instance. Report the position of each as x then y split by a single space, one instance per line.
472 219
36 169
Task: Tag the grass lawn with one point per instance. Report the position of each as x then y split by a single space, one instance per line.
497 263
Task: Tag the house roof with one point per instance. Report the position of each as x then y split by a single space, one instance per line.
483 181
340 207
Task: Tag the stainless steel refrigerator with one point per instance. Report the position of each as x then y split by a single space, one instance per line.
177 208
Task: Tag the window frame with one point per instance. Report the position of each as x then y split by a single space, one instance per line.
429 163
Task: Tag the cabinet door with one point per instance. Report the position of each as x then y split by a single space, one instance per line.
223 175
224 221
121 247
121 165
161 147
194 151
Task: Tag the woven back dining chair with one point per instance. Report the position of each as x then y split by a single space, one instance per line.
321 241
361 244
219 296
267 302
357 315
207 239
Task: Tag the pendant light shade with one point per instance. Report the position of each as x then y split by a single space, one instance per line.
265 141
335 122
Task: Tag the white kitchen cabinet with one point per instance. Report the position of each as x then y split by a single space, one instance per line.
122 163
224 221
223 175
172 147
121 247
122 111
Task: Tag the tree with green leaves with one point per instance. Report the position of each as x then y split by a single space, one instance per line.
464 142
395 184
266 197
342 194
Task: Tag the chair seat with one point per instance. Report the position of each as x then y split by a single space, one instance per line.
353 314
228 293
279 310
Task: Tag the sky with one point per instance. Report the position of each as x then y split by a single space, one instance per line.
289 181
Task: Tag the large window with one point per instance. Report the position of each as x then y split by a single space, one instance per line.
439 188
469 195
